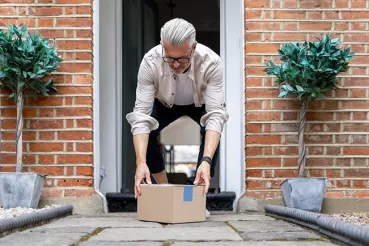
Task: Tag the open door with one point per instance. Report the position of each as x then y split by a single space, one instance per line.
139 35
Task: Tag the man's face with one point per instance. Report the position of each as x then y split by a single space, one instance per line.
177 57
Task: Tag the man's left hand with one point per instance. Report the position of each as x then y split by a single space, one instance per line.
203 175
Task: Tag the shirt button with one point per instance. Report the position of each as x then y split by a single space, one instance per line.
172 94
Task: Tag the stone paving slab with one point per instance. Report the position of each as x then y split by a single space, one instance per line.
266 243
289 236
164 234
199 224
264 226
27 238
45 229
239 217
99 222
97 243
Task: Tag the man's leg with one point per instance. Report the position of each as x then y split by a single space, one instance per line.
154 156
196 113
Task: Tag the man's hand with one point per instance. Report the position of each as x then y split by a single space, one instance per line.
142 171
203 175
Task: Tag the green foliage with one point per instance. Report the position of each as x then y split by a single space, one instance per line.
25 60
309 69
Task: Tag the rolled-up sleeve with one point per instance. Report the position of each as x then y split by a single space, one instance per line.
140 120
216 115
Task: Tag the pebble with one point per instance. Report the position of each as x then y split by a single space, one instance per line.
356 218
14 212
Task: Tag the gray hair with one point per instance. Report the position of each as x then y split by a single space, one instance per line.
178 30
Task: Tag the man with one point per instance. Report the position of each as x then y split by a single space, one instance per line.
176 78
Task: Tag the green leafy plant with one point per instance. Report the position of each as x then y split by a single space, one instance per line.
25 60
308 71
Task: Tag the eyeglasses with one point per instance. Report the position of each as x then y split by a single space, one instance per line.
181 60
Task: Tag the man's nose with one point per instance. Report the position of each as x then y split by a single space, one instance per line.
176 64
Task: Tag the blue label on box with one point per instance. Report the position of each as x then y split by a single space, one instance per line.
187 193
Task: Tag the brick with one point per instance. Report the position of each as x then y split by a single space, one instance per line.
46 124
262 116
289 26
356 173
46 159
83 10
359 115
51 192
317 162
315 150
61 112
358 4
254 173
315 15
8 10
74 182
253 14
254 82
298 15
49 170
341 4
74 159
263 139
84 147
84 171
286 150
355 104
315 26
334 194
360 184
359 194
78 193
257 93
257 48
332 127
73 22
41 11
333 173
256 4
332 15
263 162
263 184
356 150
46 147
289 4
76 135
285 173
288 37
262 26
308 4
343 162
355 15
252 128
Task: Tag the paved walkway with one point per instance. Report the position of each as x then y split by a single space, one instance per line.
124 229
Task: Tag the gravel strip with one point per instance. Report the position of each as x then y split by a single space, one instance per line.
361 219
14 212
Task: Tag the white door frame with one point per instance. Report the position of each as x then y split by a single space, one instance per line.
232 159
232 162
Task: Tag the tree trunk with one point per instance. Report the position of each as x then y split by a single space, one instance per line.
302 148
19 129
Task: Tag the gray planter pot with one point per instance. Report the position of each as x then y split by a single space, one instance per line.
20 189
304 193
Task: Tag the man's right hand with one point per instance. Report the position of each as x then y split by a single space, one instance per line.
142 171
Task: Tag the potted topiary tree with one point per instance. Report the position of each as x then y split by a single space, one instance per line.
25 60
307 71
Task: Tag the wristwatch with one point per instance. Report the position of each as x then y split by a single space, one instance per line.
207 159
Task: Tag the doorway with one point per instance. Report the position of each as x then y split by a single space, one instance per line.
141 21
115 84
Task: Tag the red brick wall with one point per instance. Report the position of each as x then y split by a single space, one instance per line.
58 130
337 129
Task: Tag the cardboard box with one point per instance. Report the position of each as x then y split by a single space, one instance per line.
170 203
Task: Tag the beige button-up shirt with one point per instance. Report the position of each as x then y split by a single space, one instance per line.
156 80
